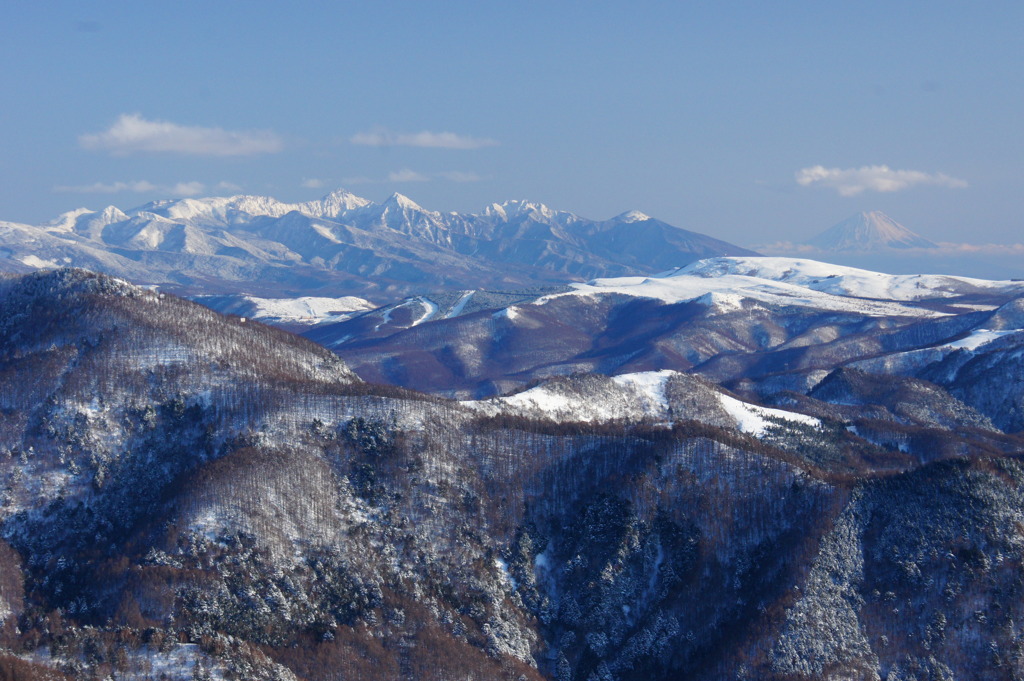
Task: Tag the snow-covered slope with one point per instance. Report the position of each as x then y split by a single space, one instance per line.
632 397
848 281
724 282
654 396
302 311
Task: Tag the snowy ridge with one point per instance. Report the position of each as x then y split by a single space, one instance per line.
227 210
683 287
306 309
846 281
723 283
634 396
978 338
628 396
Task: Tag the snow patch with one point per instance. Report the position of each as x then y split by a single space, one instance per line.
323 231
308 309
650 384
721 302
509 313
979 337
461 305
507 577
633 216
753 419
429 310
541 399
37 262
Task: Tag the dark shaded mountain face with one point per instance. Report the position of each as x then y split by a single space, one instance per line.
192 495
346 245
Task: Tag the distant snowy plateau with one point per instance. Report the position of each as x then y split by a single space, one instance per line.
243 439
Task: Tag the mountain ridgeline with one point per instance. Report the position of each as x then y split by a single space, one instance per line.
187 495
346 245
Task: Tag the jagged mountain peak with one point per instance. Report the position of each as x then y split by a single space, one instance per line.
221 209
517 207
113 213
868 231
495 210
334 204
403 202
215 209
65 222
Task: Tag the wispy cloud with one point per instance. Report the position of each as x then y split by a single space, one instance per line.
787 248
406 175
312 183
131 134
981 249
138 187
403 175
944 248
352 180
186 189
381 137
854 181
459 176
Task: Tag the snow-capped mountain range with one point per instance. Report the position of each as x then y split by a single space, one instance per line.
346 245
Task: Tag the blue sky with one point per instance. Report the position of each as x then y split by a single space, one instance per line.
703 114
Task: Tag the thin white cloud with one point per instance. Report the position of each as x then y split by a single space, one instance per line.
459 176
187 189
787 248
228 187
944 248
406 175
138 187
131 133
358 179
312 183
854 181
438 140
402 175
984 249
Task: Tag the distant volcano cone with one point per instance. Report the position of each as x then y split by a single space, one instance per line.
867 232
